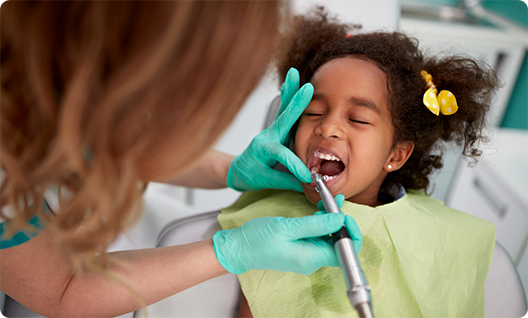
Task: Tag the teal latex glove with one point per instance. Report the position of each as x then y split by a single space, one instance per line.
253 169
280 244
350 223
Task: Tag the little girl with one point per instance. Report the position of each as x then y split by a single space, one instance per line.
374 125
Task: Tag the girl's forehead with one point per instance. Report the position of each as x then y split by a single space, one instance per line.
358 67
353 74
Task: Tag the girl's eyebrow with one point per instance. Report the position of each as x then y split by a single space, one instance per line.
317 96
364 103
354 101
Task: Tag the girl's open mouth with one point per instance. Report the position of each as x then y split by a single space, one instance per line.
325 163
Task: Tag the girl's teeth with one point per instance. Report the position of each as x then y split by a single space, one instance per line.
326 156
328 178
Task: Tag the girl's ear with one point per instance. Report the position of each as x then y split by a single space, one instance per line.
399 155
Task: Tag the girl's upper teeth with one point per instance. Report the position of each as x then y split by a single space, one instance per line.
326 156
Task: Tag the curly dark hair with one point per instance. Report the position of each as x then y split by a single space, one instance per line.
318 38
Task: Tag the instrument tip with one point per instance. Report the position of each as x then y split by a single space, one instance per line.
316 177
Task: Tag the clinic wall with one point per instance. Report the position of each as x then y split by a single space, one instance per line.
516 115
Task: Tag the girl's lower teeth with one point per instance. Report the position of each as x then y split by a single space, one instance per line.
328 178
325 178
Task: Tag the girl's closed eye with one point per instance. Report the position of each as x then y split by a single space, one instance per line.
358 121
314 114
314 111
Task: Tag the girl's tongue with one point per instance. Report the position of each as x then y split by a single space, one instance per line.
331 168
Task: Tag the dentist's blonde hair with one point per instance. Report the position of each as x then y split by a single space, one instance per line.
100 97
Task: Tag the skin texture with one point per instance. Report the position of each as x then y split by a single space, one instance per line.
349 117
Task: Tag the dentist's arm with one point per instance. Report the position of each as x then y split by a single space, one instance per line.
209 173
40 277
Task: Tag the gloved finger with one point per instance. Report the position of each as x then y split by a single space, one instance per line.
313 225
326 238
319 213
293 111
340 199
355 233
288 89
286 157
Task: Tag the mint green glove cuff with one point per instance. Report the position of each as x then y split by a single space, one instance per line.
219 239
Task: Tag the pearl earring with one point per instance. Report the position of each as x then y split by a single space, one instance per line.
389 167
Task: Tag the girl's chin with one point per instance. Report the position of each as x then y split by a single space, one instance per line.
312 196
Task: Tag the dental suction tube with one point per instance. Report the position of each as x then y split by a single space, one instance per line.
358 291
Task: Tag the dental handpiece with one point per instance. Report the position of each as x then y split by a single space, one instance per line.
358 291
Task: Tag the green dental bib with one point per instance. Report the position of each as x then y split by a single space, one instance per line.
420 258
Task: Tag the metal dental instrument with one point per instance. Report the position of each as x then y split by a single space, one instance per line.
358 291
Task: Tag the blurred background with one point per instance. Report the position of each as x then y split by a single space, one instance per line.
496 189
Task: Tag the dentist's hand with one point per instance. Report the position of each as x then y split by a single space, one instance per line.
350 223
280 244
253 169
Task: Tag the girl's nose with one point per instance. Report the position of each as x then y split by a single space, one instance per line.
330 127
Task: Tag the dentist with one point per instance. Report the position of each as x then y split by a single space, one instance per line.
98 99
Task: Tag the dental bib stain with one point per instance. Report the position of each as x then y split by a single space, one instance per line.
321 285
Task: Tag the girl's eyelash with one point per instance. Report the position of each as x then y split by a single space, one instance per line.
358 121
350 119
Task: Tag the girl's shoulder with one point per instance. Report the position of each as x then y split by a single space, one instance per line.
426 205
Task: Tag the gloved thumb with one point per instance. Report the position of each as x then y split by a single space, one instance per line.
314 225
355 233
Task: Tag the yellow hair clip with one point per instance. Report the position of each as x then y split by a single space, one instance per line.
445 102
